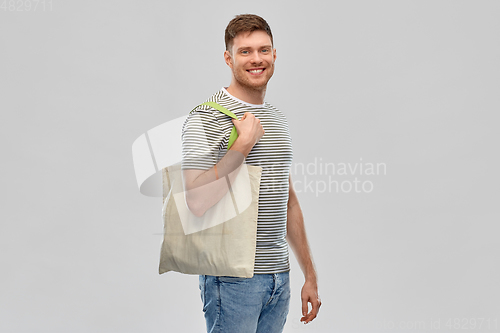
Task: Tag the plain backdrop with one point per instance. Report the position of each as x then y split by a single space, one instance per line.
411 85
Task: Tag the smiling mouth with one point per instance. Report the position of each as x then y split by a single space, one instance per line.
256 71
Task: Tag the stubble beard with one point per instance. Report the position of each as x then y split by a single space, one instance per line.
247 85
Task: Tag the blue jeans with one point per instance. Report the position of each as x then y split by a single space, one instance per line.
240 305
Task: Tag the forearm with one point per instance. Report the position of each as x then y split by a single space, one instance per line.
297 239
210 186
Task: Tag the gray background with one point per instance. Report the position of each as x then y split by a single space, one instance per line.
412 84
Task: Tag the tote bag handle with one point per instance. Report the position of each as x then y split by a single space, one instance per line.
234 134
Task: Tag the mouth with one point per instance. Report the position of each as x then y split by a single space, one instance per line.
256 71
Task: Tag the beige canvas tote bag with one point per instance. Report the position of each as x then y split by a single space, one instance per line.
222 242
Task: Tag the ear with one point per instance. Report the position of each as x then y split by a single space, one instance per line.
274 54
228 59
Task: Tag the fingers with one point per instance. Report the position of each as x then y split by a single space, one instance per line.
248 115
315 308
308 317
250 128
304 306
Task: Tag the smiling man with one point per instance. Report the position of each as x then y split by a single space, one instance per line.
260 303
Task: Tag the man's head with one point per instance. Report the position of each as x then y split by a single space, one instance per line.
245 23
249 52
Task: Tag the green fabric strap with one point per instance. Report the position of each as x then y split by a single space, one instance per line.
234 134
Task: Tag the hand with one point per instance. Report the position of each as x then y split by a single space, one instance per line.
249 128
309 294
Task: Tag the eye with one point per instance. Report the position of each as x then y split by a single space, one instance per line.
265 50
244 52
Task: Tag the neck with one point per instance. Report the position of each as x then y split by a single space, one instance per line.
252 96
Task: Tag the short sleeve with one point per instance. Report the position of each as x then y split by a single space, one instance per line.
202 136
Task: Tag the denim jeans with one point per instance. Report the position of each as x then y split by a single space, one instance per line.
240 305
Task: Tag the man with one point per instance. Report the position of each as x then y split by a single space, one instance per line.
260 303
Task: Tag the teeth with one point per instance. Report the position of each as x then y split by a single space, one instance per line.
256 70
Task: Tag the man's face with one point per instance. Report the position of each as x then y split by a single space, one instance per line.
251 59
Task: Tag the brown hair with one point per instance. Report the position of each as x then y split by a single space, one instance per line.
245 23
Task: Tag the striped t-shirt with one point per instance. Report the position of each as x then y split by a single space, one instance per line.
205 135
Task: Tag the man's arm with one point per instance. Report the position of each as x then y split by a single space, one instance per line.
204 188
296 237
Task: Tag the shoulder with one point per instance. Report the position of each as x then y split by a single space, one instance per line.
204 115
274 110
271 107
205 110
202 120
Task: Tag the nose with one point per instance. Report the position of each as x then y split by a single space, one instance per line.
256 57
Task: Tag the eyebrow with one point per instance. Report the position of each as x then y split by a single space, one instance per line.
249 47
